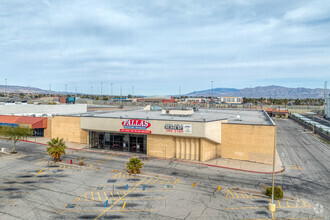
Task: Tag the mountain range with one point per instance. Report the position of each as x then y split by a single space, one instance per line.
263 91
27 89
256 92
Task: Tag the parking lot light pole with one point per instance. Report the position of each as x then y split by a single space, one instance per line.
313 125
312 113
272 206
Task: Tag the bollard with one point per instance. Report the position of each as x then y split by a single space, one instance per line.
70 161
126 186
106 203
144 187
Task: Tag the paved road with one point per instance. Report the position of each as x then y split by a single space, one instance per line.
173 190
307 162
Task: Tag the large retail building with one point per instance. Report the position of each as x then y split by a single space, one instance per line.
183 134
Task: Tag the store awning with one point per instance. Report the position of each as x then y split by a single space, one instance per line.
13 121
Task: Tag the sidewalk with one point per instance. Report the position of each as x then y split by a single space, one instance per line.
240 165
43 140
247 165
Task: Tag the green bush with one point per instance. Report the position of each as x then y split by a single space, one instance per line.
278 193
134 165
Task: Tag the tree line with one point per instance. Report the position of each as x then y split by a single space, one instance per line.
271 101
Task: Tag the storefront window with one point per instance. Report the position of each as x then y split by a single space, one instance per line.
38 132
119 141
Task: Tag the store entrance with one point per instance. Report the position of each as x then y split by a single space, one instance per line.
119 141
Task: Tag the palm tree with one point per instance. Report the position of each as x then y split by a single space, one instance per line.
285 101
56 148
134 165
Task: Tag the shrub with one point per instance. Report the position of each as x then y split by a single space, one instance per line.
278 193
81 161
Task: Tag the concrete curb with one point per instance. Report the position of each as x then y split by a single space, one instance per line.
164 177
193 162
181 161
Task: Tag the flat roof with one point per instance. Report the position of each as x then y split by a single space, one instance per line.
255 117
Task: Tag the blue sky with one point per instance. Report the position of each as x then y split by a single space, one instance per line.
157 46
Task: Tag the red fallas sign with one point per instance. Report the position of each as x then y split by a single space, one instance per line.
135 126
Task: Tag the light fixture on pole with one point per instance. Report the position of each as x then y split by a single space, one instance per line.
212 88
312 113
272 206
121 94
5 87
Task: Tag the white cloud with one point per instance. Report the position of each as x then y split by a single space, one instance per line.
315 11
165 43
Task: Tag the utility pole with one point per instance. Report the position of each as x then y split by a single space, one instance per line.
133 91
75 90
121 94
91 89
6 87
212 88
111 89
272 206
325 98
101 88
66 89
250 92
313 125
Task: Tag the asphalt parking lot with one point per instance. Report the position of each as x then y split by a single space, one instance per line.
33 187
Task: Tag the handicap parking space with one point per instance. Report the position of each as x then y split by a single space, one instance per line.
125 193
242 203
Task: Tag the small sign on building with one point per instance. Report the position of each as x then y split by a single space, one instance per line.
178 128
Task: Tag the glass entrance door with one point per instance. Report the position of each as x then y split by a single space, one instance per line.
107 141
119 141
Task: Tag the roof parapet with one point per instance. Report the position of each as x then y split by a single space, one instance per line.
268 117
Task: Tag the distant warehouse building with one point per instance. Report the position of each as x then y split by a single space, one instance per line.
231 100
182 134
277 112
37 117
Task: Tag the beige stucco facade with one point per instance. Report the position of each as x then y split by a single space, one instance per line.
196 149
205 140
208 130
248 142
68 128
48 130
